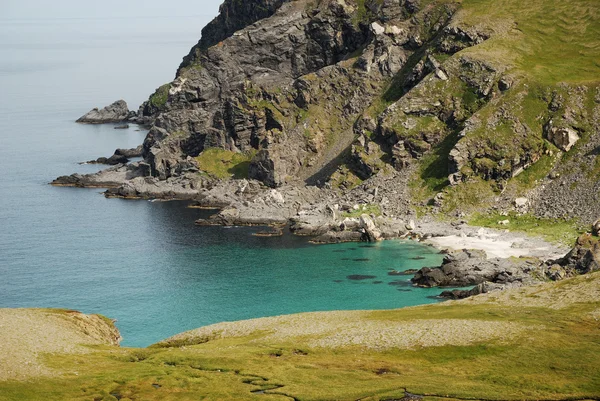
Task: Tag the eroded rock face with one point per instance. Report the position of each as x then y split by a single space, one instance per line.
114 113
285 80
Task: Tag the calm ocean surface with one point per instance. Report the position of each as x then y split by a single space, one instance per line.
143 263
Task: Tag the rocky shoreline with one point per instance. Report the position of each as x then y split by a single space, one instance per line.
328 217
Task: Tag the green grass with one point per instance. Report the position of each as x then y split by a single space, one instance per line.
555 230
363 14
548 41
530 177
224 164
433 167
556 357
160 97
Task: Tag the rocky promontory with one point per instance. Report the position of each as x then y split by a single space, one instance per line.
114 113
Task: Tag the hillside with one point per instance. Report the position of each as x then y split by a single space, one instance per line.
480 102
539 342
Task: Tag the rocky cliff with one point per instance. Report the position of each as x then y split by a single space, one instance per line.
334 92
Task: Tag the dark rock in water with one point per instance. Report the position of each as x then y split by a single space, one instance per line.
418 258
404 289
133 152
100 160
361 260
360 277
377 282
111 161
121 156
117 159
272 233
124 126
401 283
114 113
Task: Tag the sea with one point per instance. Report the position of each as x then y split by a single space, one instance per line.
145 263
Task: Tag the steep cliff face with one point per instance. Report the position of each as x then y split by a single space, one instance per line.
288 88
459 96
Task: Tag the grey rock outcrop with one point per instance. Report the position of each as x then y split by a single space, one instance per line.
563 138
121 156
114 113
583 258
471 267
112 177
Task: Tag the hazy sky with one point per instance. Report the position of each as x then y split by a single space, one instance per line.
23 9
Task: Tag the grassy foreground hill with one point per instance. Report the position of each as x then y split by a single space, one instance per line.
533 343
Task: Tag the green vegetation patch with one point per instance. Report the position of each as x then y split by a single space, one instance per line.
556 230
548 41
160 97
223 164
345 178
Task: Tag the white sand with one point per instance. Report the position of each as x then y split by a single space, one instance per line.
496 247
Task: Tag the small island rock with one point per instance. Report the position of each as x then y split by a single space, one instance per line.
114 113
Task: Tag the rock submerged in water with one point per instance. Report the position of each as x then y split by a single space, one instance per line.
359 277
121 156
114 113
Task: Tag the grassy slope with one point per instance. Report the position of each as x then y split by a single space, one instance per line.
544 344
546 47
547 41
224 164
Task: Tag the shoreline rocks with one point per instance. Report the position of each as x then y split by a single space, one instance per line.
116 112
472 267
121 156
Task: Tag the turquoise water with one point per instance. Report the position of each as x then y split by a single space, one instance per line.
143 263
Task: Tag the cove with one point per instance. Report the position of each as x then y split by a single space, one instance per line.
158 274
144 263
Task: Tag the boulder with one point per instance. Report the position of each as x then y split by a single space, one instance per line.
371 233
596 228
563 138
521 202
114 113
583 258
